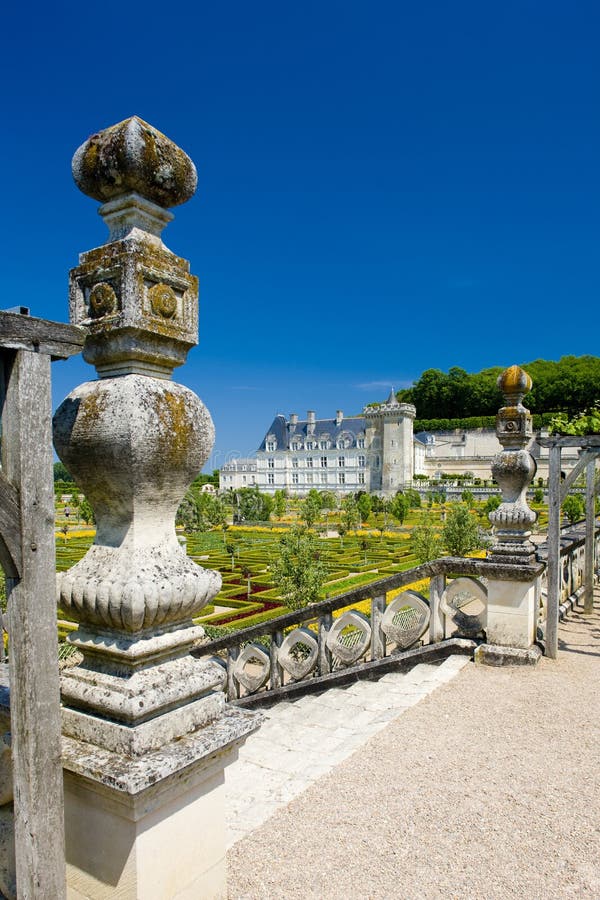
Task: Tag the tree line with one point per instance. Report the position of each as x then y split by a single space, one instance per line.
569 384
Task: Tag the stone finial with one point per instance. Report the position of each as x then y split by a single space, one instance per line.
514 384
134 440
137 299
513 469
134 157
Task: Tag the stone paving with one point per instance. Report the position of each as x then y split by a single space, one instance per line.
301 741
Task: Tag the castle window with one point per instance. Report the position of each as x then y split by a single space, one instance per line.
295 478
271 463
361 462
310 445
271 445
341 478
270 478
361 477
323 462
341 461
309 462
323 445
295 462
323 477
360 443
309 478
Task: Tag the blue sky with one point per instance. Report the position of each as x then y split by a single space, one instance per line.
384 187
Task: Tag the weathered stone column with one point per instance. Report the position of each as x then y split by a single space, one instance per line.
147 734
513 596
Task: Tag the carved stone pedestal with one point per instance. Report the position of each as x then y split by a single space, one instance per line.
512 612
151 827
513 602
146 730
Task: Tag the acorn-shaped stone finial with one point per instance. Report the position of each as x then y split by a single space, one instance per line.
514 384
134 157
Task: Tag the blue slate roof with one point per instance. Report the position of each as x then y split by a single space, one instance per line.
284 432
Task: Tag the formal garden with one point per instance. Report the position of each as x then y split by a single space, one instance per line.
285 553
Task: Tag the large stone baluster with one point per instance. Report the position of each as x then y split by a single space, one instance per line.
144 721
514 576
513 469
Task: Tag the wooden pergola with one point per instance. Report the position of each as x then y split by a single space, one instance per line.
558 488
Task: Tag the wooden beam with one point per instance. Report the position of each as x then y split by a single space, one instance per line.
570 440
54 339
10 529
33 658
576 471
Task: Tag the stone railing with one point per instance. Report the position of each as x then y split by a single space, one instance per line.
572 571
312 649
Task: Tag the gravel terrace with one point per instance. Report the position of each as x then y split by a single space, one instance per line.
488 788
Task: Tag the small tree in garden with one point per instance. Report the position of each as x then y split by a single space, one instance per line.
350 515
399 507
461 533
364 546
538 495
64 530
364 507
342 531
468 498
310 508
299 572
230 549
85 511
279 504
573 508
425 542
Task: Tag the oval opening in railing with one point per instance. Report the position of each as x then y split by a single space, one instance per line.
252 667
298 653
406 619
464 603
350 636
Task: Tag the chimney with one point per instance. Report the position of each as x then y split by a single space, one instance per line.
293 418
310 417
339 417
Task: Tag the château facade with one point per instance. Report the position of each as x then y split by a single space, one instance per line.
374 452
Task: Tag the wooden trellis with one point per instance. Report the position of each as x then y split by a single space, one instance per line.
27 555
558 489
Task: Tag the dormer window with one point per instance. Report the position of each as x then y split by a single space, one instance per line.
271 446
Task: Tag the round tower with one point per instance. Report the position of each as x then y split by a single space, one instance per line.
392 423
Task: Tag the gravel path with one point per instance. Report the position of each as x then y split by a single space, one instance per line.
488 788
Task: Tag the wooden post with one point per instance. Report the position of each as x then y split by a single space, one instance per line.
553 552
33 660
590 519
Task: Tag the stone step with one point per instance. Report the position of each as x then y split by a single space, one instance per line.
304 739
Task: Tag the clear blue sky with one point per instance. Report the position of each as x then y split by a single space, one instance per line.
384 187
